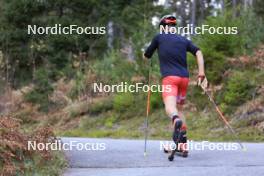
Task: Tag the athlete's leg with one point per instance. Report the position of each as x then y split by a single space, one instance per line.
181 113
170 106
170 101
172 112
170 97
182 91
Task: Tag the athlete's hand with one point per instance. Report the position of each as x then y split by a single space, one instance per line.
202 81
145 59
143 56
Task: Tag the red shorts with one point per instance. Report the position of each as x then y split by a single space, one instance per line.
178 87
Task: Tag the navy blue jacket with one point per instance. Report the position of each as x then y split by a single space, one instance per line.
172 51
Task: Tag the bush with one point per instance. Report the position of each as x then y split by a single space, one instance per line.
251 27
16 159
101 106
42 89
156 100
238 89
216 48
215 65
196 96
114 68
79 86
228 45
123 101
110 121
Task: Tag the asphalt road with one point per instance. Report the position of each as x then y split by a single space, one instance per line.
121 157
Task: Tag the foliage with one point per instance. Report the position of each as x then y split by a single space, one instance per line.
24 52
216 48
258 8
79 86
251 26
123 101
215 65
237 91
16 159
196 96
109 122
101 106
43 88
114 68
156 101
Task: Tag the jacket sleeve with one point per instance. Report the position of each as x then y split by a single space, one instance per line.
192 48
152 47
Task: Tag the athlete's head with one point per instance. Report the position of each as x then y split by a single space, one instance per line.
168 20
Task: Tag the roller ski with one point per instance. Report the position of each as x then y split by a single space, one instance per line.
180 140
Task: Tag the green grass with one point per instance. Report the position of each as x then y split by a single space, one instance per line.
201 126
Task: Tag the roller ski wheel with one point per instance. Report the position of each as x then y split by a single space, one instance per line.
165 150
184 154
183 146
171 158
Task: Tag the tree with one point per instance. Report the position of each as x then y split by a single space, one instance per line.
258 7
193 12
25 53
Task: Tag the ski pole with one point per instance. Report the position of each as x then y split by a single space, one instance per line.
223 118
147 109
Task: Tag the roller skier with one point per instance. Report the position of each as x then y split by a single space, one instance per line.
172 51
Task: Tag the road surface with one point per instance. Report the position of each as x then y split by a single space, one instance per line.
123 157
